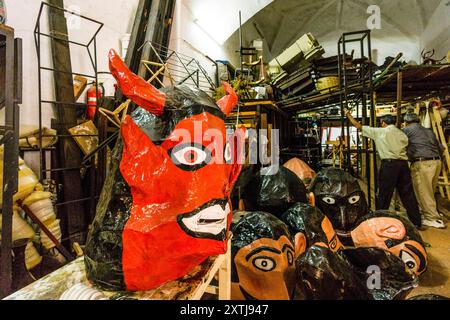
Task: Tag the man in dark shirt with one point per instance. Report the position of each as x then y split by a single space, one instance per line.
424 152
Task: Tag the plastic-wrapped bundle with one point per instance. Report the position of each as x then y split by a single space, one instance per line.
352 274
40 204
20 228
307 221
27 180
340 198
383 272
165 205
274 190
263 258
393 233
325 275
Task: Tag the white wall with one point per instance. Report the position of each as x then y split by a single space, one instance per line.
437 33
201 27
117 16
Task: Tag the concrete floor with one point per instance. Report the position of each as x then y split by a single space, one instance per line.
436 280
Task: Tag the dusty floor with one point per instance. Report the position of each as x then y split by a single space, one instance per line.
436 279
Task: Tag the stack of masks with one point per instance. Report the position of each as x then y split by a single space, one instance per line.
373 264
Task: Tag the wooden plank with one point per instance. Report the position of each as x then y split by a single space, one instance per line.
225 275
132 58
441 138
200 290
69 154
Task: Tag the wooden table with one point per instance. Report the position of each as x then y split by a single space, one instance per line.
191 287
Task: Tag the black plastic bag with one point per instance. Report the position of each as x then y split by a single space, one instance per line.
325 275
274 190
383 272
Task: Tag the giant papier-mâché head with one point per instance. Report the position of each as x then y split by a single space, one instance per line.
165 206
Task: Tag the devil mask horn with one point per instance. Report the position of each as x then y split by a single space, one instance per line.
135 88
230 101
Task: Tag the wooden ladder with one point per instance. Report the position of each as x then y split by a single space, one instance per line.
436 123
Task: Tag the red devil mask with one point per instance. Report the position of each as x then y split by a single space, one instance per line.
179 167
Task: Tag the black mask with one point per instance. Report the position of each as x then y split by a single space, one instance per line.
340 198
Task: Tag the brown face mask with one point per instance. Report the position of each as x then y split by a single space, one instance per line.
266 270
391 234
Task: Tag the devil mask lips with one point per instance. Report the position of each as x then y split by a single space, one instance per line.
165 206
208 221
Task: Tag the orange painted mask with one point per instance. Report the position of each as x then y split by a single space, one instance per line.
301 169
391 232
179 167
263 254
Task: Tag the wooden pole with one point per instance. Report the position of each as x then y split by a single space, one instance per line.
68 152
399 98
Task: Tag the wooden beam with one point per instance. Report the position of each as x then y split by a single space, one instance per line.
399 98
68 151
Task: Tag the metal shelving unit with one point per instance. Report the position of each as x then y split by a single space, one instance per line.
353 99
90 45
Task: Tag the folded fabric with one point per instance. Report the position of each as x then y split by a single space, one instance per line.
55 230
40 204
20 228
32 256
27 180
29 137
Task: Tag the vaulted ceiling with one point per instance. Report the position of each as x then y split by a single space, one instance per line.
282 22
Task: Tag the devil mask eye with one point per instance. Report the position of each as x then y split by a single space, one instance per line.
329 200
190 156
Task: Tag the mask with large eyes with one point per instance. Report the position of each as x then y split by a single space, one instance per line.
190 157
395 234
166 201
339 196
263 255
